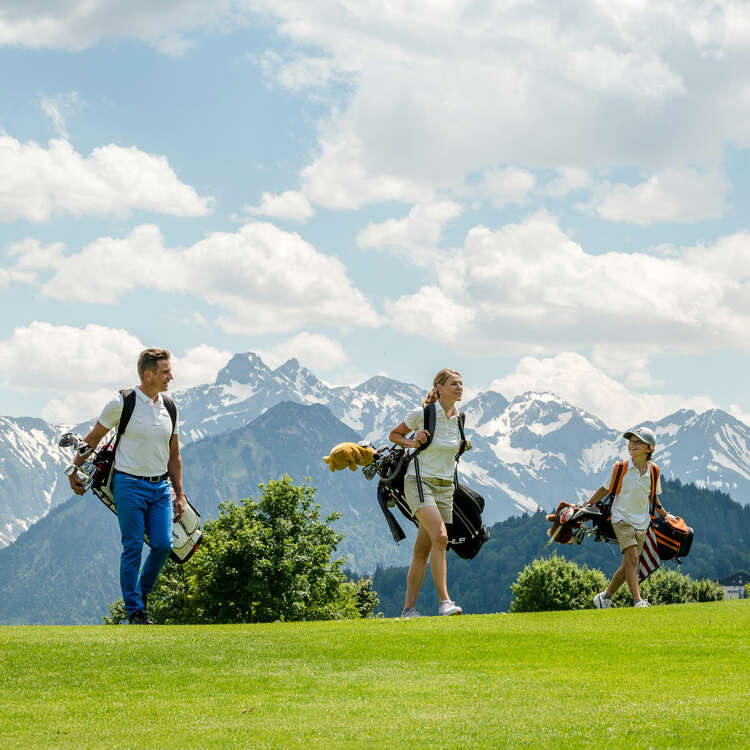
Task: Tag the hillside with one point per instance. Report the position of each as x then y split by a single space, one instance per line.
720 547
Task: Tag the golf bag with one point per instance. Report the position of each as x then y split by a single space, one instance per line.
673 537
466 533
186 532
668 538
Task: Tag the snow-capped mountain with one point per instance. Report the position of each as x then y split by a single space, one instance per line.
31 478
246 388
530 452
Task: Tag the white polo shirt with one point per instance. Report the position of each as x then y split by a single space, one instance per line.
439 459
144 446
632 503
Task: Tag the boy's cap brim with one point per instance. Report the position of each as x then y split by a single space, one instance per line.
642 433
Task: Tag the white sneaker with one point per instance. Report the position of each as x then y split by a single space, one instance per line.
602 601
410 612
449 608
641 603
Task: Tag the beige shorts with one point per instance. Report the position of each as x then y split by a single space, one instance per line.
629 536
435 495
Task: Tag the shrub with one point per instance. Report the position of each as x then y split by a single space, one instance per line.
554 583
668 586
261 560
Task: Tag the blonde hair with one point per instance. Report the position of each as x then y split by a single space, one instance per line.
440 379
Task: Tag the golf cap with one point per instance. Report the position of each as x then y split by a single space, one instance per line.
642 433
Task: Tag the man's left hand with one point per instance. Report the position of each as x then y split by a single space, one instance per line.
179 506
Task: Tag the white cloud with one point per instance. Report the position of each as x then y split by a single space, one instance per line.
431 313
528 287
680 195
77 24
338 179
575 379
55 107
414 236
439 91
198 365
37 183
568 180
43 355
509 185
290 204
630 363
76 407
86 366
315 351
261 278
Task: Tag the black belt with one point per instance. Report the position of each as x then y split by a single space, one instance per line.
153 480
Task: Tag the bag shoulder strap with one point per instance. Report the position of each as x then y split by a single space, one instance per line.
620 468
429 413
128 405
429 419
171 408
653 500
461 426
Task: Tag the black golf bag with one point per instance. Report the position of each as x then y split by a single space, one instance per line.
466 534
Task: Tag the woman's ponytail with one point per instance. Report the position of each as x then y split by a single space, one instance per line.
440 379
431 397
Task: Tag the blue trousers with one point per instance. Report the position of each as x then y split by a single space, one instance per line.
141 507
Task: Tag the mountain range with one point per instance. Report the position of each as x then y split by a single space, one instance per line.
527 453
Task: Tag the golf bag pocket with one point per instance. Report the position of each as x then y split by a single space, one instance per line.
466 533
186 534
673 537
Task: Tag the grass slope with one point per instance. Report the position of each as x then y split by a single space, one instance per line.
665 677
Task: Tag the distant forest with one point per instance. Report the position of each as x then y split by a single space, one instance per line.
721 546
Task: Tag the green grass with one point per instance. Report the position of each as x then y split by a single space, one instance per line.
664 677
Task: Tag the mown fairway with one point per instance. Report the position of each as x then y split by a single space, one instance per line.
665 677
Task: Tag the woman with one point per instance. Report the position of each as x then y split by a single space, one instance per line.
631 514
436 468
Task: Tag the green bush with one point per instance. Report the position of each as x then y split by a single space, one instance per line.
668 586
261 560
555 583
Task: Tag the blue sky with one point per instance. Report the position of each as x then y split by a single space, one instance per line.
542 196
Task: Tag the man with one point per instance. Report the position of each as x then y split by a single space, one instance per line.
147 454
631 514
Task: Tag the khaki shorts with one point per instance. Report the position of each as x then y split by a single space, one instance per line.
435 495
629 536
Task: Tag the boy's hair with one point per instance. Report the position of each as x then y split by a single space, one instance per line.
149 359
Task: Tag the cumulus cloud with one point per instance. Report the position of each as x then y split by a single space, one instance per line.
509 185
46 356
568 180
339 178
440 91
38 183
198 365
415 236
529 287
290 204
431 313
437 92
315 351
575 379
86 366
77 24
679 195
260 278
